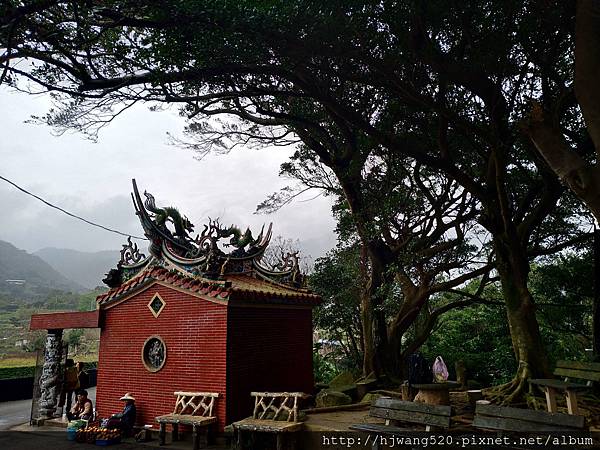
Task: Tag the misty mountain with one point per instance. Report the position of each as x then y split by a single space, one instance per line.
28 277
87 268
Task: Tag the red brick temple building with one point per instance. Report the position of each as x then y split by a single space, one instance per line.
194 317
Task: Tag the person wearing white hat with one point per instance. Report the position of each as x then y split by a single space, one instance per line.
126 418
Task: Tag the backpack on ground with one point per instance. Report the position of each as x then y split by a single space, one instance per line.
419 370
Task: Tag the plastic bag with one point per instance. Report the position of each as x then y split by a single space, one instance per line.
440 371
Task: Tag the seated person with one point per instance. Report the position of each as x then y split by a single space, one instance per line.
82 408
125 420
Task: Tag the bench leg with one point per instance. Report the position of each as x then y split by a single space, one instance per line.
572 402
279 441
195 440
162 433
205 436
175 432
237 438
550 399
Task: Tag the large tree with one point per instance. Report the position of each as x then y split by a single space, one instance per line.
549 127
419 237
442 83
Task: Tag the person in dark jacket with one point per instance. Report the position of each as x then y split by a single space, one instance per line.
82 375
125 420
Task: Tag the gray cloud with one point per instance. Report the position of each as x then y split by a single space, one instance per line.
93 180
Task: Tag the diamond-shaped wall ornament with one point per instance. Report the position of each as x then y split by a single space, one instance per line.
156 305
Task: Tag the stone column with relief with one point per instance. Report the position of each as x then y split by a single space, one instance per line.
51 376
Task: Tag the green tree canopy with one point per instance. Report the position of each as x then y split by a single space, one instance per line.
446 85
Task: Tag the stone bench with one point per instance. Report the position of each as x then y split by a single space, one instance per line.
274 412
191 408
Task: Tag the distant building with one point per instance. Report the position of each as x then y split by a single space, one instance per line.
17 282
21 343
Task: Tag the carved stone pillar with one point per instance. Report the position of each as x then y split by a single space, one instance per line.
50 378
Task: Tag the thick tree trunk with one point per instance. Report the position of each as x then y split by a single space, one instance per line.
366 315
366 318
397 350
375 341
513 269
587 65
380 337
394 360
583 178
530 353
373 315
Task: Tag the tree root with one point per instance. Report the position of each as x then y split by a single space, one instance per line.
509 393
534 402
515 391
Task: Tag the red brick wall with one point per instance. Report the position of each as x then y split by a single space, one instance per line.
194 331
269 349
62 320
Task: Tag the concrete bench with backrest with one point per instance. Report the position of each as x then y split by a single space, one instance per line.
504 418
587 372
191 408
274 412
433 417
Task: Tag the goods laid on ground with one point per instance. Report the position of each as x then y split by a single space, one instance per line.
98 435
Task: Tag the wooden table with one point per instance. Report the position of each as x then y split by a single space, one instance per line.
435 393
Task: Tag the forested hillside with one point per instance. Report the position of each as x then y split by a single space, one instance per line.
87 268
28 278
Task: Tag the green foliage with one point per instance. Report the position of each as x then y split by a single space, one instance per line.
39 280
16 372
73 337
336 277
479 335
438 85
563 287
15 315
37 342
29 371
323 368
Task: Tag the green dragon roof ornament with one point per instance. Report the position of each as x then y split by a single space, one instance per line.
213 253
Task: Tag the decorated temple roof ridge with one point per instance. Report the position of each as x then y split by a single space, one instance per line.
217 262
246 288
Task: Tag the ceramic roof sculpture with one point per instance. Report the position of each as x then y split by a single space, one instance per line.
214 254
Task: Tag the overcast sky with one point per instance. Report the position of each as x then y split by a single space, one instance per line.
93 180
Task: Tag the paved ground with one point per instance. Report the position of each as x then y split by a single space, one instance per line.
17 434
14 413
51 438
18 412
